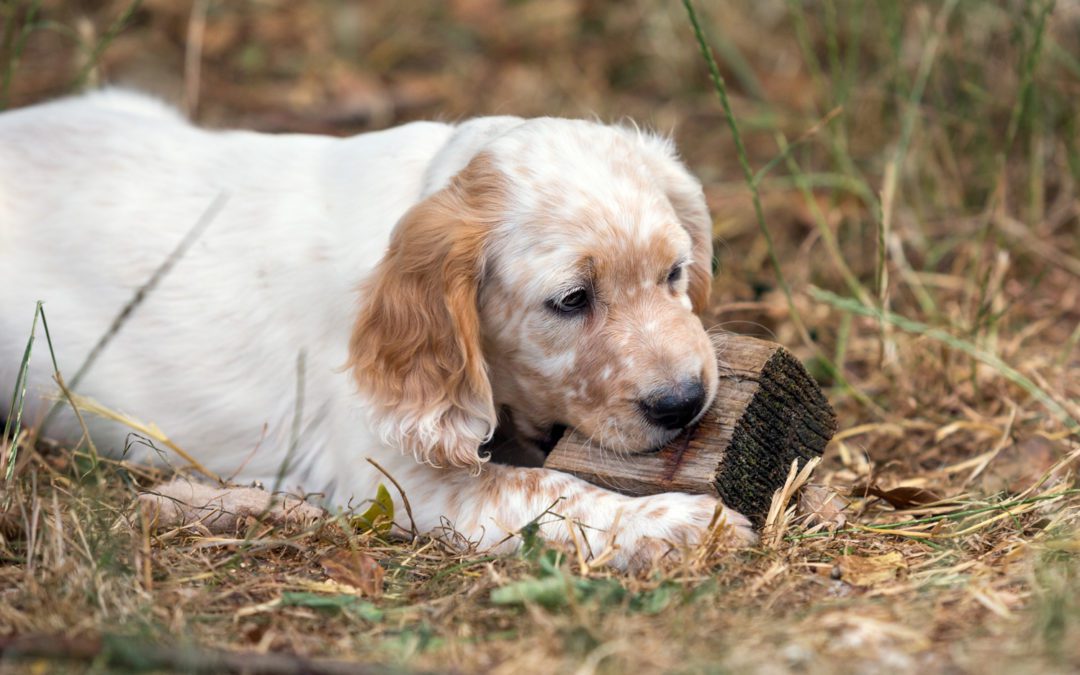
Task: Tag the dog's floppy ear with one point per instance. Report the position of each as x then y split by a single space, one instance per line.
684 192
416 345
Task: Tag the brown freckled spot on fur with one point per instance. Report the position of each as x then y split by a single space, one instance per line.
491 482
507 312
594 214
548 202
530 485
453 502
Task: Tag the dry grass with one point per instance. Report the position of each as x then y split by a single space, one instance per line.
917 165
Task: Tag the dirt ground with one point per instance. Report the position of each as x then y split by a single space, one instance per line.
916 165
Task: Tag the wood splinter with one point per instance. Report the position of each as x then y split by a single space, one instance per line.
768 411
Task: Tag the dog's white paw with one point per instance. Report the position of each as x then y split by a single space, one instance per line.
738 527
671 525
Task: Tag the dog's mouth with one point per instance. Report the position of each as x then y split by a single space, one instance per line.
547 441
530 446
510 445
680 438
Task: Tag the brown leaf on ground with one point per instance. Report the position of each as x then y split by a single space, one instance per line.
904 497
1022 464
355 569
860 570
220 510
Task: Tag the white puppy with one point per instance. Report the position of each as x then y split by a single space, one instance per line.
435 277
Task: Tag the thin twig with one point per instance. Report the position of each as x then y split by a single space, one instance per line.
193 56
67 392
297 423
401 491
13 419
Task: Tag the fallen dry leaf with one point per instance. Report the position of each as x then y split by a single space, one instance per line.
1022 464
904 497
355 569
860 570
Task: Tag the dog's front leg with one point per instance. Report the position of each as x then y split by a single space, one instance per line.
491 508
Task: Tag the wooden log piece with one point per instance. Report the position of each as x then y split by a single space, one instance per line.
768 411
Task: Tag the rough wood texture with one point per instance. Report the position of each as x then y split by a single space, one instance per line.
768 411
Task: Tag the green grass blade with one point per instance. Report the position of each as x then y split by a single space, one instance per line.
110 34
13 422
907 325
744 162
748 176
13 43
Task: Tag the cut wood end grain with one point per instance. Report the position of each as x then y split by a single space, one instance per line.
767 413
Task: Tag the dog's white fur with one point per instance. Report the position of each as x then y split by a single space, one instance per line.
414 268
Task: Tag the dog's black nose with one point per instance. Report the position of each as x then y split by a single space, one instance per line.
676 407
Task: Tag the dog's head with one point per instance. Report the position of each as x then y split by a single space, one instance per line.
559 275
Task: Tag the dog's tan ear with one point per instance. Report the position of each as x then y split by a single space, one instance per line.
416 345
684 192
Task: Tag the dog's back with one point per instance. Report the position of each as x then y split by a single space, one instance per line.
96 195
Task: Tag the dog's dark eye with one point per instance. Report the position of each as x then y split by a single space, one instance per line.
571 303
675 274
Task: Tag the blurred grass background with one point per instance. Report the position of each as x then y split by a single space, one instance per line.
917 165
964 110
